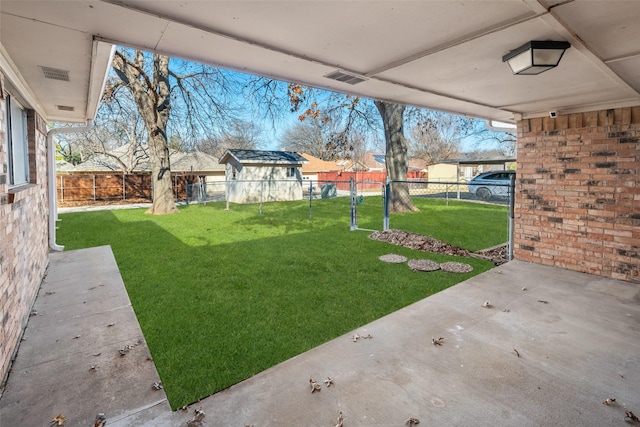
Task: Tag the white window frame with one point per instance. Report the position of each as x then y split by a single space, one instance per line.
291 172
17 143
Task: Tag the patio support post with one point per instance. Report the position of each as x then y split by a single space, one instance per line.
51 179
385 205
512 194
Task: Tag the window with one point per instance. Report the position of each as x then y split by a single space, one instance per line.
17 143
291 172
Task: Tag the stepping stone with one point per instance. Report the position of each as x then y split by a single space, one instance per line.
423 265
393 258
456 267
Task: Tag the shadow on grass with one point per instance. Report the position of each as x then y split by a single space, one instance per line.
221 301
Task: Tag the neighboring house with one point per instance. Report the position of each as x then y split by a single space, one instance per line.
469 165
314 166
101 177
262 176
195 162
443 172
374 162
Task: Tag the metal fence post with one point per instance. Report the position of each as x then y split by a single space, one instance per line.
124 188
310 198
512 193
385 205
261 191
354 209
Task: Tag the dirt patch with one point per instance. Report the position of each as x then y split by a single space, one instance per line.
498 255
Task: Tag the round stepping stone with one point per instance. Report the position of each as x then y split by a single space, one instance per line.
423 265
456 267
393 258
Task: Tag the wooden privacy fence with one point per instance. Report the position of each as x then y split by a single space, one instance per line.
115 186
366 180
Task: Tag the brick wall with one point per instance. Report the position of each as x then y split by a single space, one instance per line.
23 236
578 192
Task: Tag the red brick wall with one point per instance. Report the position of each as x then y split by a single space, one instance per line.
23 236
578 192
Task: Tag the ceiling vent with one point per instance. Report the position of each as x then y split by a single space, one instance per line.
65 108
341 76
55 73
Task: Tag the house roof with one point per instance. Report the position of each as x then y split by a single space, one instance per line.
374 161
480 159
180 161
315 164
263 157
442 55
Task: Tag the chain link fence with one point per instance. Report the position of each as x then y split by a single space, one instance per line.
368 203
260 192
405 195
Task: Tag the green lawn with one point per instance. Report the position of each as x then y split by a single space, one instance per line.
222 295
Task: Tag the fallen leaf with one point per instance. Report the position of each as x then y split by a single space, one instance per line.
58 420
101 420
314 385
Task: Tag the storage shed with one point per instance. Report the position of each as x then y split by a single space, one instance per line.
262 176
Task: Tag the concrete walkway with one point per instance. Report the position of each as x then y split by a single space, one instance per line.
69 361
552 346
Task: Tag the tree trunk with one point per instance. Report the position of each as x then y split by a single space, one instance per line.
396 156
154 104
163 200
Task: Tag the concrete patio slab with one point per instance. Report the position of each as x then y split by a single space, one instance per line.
552 346
547 355
69 361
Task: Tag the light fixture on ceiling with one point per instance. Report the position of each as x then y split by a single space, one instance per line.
536 57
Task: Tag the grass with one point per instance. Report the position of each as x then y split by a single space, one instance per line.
222 295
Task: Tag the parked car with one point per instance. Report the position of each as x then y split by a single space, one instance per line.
489 184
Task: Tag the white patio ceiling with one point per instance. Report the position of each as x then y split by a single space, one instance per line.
444 55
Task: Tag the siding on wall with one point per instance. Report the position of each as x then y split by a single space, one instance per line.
267 183
578 192
23 236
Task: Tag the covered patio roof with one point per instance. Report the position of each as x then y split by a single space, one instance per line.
442 55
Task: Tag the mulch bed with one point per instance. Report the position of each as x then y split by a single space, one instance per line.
497 255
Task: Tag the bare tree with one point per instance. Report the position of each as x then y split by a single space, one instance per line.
396 155
306 137
152 95
505 141
117 141
357 114
437 136
237 134
172 97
